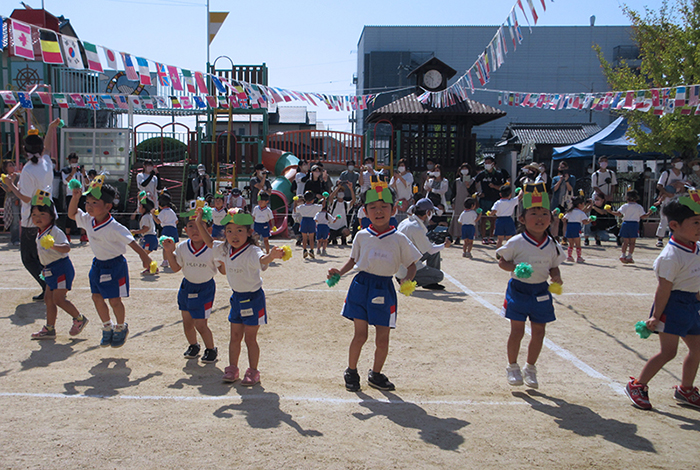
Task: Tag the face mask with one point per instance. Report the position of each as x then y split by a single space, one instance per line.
434 174
401 169
430 166
201 172
351 167
464 172
678 165
590 171
74 165
603 165
148 169
368 165
696 167
543 169
488 166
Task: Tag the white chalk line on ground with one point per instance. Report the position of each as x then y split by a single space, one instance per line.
266 396
556 349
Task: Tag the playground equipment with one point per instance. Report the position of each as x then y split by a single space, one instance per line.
284 166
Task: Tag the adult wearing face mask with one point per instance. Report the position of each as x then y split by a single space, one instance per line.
694 176
425 176
462 189
428 274
542 176
562 194
314 182
402 182
603 180
258 182
436 187
339 211
670 186
488 183
367 172
147 180
349 180
302 171
74 171
37 174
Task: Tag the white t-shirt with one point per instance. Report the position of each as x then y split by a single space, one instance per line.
669 177
198 266
48 256
382 254
262 216
34 176
367 179
322 218
575 216
415 230
147 221
505 207
217 215
300 184
403 190
151 188
243 266
108 239
598 179
468 217
309 210
680 265
542 256
167 217
631 212
339 208
237 201
362 213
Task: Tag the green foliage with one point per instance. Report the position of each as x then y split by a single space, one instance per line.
173 150
669 43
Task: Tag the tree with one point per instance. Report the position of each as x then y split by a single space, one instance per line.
669 46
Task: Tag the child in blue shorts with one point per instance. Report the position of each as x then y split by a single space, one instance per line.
197 290
307 227
575 219
323 230
109 275
218 212
631 212
147 229
529 297
53 247
676 310
378 251
263 218
504 209
167 219
244 261
468 219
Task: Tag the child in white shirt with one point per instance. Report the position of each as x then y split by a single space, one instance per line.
631 214
575 219
468 219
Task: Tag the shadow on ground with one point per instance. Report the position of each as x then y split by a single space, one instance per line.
205 377
26 314
108 377
50 352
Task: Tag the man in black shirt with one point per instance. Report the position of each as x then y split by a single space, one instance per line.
488 181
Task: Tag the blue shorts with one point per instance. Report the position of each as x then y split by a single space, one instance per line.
323 231
217 231
505 226
307 225
393 222
197 299
149 242
59 274
682 314
364 222
573 230
629 229
170 231
468 232
262 229
248 308
371 298
525 301
110 278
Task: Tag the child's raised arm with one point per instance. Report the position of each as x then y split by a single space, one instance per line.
204 233
73 206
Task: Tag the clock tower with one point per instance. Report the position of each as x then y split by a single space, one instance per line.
432 75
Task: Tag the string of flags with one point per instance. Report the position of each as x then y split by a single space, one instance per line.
190 89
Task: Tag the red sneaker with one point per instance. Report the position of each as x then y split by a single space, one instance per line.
638 393
687 397
83 238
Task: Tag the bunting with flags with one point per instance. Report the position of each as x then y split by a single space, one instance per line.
22 40
93 59
50 50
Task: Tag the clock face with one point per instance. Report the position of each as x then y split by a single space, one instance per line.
432 79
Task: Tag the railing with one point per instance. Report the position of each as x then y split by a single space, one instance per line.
75 81
318 145
173 146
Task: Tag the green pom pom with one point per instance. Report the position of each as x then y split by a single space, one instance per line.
517 191
641 328
61 123
556 211
163 238
206 214
325 194
593 218
479 210
333 280
142 194
523 271
74 184
41 276
653 209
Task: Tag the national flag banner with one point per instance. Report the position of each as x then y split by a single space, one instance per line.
199 101
111 57
175 78
694 95
50 50
511 29
520 4
122 101
479 73
129 67
186 102
588 101
540 101
147 102
616 100
216 19
61 100
607 99
107 100
563 102
310 99
697 111
487 65
532 9
232 101
470 80
162 102
71 52
144 71
162 72
45 97
25 100
500 99
680 97
91 102
577 102
502 35
544 7
639 99
189 81
629 100
93 59
212 101
526 99
555 102
176 102
135 101
22 40
655 101
77 99
201 84
518 31
218 84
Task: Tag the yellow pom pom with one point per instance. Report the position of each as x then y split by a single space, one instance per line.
4 177
580 192
488 213
607 207
156 212
46 242
561 215
153 267
287 253
274 229
555 288
407 287
295 198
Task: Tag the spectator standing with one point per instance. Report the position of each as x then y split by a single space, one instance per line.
147 180
603 180
488 183
201 183
12 205
562 194
74 171
259 182
462 189
402 183
349 180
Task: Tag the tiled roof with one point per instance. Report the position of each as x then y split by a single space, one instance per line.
409 105
549 133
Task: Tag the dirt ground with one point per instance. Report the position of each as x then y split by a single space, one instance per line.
71 404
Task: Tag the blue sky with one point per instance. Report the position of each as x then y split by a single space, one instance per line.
307 45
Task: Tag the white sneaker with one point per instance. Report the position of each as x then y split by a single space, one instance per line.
660 243
515 377
531 376
164 264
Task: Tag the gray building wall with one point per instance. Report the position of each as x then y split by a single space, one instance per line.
557 59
